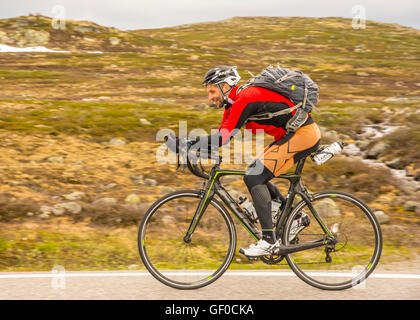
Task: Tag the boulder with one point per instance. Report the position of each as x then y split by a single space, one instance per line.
132 198
145 122
408 187
411 206
114 41
4 38
46 209
117 142
363 144
72 207
109 186
36 38
395 163
77 195
55 159
150 182
327 208
104 202
86 28
45 215
377 149
168 220
382 217
402 99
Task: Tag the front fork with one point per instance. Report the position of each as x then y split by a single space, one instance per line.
207 193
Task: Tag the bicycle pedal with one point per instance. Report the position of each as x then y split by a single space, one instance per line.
248 257
252 259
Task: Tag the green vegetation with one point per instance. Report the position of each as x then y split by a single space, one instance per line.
25 250
71 104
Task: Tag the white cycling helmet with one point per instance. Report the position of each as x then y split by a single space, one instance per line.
222 74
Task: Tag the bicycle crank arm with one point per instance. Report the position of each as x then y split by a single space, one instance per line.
300 247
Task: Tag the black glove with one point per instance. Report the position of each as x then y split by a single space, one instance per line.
177 144
172 142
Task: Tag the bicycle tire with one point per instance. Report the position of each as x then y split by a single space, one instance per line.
220 218
358 213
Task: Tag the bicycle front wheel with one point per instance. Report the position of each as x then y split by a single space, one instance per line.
181 264
356 248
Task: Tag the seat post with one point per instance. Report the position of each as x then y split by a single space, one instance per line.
299 166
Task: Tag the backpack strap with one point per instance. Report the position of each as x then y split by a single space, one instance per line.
287 77
269 115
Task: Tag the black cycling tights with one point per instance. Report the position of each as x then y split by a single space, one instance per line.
262 192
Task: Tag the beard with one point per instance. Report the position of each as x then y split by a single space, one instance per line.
218 102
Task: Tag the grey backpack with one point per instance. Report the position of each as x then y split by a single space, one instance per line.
294 85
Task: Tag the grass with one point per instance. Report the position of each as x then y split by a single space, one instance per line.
79 247
99 119
42 249
169 64
29 74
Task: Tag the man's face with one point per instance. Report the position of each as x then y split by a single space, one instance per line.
214 94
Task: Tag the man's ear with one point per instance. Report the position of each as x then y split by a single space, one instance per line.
226 87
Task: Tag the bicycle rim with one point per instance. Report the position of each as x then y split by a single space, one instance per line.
356 253
173 261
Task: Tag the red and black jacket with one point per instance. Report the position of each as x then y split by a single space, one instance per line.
252 101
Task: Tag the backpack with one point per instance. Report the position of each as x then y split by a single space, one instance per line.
292 84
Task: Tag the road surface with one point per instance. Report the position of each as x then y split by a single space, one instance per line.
233 285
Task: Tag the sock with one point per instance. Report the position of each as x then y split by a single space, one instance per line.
269 236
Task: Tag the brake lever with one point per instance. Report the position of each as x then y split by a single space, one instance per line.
184 164
184 156
178 164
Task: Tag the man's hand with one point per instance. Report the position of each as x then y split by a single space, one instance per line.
172 142
177 144
180 146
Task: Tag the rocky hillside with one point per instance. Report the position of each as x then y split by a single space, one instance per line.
74 36
78 129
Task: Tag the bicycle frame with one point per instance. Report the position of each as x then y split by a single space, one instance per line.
214 187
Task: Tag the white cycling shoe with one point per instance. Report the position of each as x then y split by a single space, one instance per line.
262 248
298 224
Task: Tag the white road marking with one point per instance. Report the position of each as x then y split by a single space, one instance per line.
196 273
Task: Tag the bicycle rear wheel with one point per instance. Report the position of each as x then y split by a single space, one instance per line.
358 238
180 264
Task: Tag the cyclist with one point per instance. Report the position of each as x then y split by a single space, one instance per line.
279 156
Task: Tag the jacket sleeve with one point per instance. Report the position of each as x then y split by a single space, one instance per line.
240 112
233 119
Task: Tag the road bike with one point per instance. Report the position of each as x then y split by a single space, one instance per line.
187 239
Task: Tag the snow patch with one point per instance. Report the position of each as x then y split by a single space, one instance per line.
6 48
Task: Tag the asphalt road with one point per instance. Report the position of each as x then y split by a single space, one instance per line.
233 285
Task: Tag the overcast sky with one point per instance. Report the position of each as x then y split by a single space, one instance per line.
142 14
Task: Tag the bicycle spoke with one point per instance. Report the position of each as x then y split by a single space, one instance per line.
353 252
167 255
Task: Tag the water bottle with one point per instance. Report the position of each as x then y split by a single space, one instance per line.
327 153
275 210
249 208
